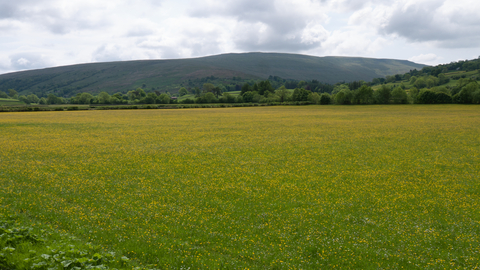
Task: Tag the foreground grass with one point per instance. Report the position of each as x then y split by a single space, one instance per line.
269 187
30 247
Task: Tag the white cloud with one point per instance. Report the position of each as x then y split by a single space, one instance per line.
428 59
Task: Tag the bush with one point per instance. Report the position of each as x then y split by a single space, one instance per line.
476 97
426 97
442 98
187 101
399 96
325 99
382 95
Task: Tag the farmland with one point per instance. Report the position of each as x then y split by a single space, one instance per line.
301 187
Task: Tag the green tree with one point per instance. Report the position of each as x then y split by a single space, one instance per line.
426 97
163 99
239 99
24 99
248 96
117 98
210 98
12 93
52 99
32 98
339 88
399 96
300 94
151 98
3 94
314 98
420 83
85 98
245 88
217 91
283 93
442 98
301 84
465 96
413 93
430 83
442 79
42 101
340 98
139 93
208 87
227 98
103 98
476 97
325 99
197 91
265 86
363 95
382 95
441 89
390 79
255 87
413 79
183 91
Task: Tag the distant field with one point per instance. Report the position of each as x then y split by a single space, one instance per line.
301 187
4 101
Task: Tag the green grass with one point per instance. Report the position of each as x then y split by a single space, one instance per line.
310 187
451 83
10 102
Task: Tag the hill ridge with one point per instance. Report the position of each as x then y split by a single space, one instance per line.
171 74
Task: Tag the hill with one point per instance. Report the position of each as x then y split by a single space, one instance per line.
171 74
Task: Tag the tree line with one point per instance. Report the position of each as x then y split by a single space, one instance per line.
466 91
431 85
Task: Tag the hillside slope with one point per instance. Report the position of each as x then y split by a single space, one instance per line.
168 74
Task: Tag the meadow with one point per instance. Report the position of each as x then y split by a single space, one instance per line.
10 102
297 187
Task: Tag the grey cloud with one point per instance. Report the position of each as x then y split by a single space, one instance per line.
139 32
416 23
352 5
251 38
240 9
47 14
22 61
107 53
425 22
13 9
282 27
203 46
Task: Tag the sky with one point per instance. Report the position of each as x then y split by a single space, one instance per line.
46 33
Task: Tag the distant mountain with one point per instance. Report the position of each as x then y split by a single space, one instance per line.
171 74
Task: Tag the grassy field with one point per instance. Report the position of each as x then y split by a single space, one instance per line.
8 102
367 187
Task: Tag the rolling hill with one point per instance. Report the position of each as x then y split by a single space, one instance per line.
171 74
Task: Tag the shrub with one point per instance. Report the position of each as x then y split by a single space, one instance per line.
325 99
399 96
442 98
426 97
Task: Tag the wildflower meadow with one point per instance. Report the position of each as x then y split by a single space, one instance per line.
281 187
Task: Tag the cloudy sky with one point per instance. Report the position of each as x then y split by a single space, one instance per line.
45 33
